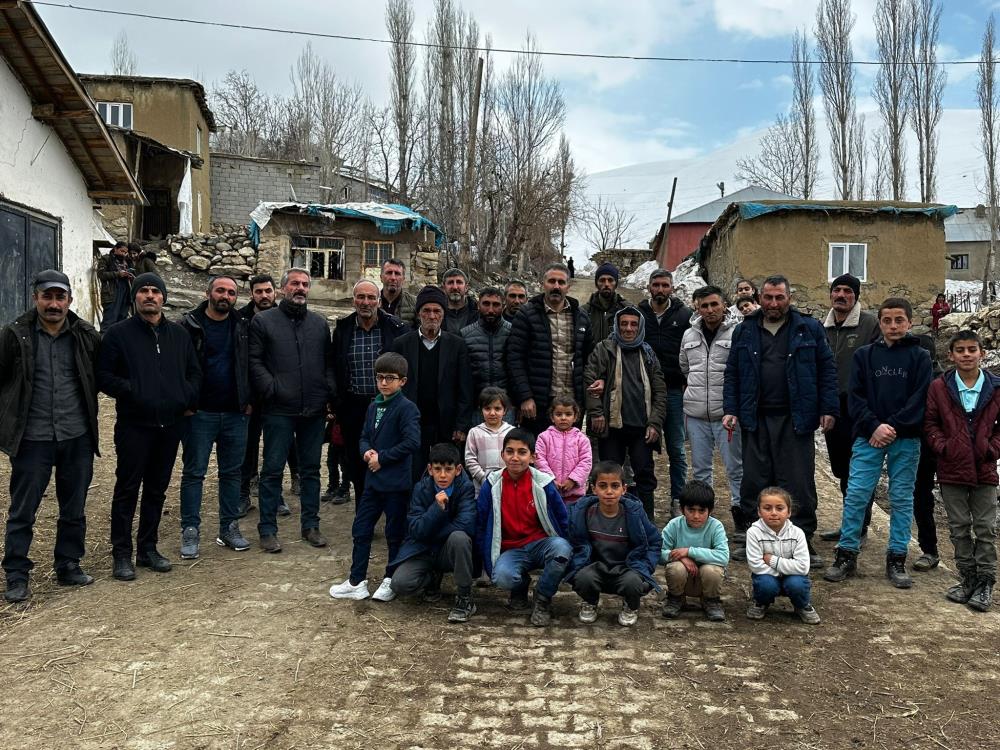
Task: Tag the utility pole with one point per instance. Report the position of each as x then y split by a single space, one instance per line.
661 258
470 163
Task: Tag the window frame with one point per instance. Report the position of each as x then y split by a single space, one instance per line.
964 261
106 109
382 245
846 259
306 247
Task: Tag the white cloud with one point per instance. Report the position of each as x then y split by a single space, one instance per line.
756 83
784 81
770 19
604 139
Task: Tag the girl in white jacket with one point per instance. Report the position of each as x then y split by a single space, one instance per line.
778 557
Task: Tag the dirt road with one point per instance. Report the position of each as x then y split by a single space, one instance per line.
245 651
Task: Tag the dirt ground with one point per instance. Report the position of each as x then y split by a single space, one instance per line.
246 650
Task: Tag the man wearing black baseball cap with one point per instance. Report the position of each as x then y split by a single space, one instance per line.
49 420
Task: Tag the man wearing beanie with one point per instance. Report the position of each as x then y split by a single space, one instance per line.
439 380
605 302
149 366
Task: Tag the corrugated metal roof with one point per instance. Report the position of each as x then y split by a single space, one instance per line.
708 213
965 226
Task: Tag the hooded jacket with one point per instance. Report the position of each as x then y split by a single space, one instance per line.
549 506
643 539
427 526
665 335
704 366
602 314
889 386
192 323
565 455
788 549
17 373
857 330
967 444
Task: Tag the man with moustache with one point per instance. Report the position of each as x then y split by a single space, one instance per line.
149 366
115 275
462 309
220 338
605 302
486 340
358 340
515 294
547 349
48 421
394 299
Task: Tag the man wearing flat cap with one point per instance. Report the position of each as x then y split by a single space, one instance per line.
48 420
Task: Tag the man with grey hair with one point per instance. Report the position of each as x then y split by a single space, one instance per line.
462 309
291 373
547 349
394 298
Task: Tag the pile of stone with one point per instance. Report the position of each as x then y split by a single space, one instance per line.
226 250
424 269
985 322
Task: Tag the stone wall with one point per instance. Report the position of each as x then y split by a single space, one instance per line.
625 260
218 253
239 183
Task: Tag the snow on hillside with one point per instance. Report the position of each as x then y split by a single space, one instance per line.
643 189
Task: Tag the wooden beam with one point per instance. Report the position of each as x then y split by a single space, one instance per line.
49 112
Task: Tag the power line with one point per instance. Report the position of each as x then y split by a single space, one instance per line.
459 47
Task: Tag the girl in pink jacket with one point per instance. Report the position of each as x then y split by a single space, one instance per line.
563 451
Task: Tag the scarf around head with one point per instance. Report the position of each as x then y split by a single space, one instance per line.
640 339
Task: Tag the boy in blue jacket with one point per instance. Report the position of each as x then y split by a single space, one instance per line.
522 526
887 396
615 546
442 523
389 440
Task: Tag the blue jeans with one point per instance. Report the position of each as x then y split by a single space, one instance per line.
370 508
673 437
228 432
768 588
705 435
901 457
551 554
280 432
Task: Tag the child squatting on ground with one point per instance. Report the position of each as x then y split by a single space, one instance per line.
484 444
778 558
962 429
389 441
615 546
696 553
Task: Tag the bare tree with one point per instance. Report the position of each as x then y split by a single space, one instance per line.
803 115
779 165
989 127
567 181
926 81
894 36
242 111
605 225
882 169
403 63
124 62
834 23
859 160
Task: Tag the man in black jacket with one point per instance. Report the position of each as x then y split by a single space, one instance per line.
486 340
461 309
49 420
115 275
547 350
291 374
358 340
667 318
149 366
605 302
220 339
439 382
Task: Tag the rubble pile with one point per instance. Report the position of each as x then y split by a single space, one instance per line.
985 322
225 251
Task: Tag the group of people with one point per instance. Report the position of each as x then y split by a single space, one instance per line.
458 418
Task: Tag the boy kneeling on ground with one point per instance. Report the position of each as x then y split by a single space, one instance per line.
522 526
696 553
440 527
615 546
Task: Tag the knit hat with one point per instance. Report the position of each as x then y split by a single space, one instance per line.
148 279
431 294
847 280
606 269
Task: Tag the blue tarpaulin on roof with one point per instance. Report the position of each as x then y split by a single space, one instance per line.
751 210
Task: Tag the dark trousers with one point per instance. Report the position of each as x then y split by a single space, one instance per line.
774 454
454 556
631 441
145 456
351 415
538 425
337 474
369 509
251 458
923 500
838 447
280 433
30 473
597 578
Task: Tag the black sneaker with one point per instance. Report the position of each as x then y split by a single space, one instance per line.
244 507
518 601
123 569
672 607
342 495
327 495
541 613
830 535
739 554
17 591
153 560
463 609
283 509
815 559
895 571
72 575
982 599
432 591
844 565
962 591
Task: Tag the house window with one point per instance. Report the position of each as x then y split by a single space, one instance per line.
960 262
323 256
849 258
116 113
377 253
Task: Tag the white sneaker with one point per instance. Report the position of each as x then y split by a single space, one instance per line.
628 617
384 592
588 613
348 590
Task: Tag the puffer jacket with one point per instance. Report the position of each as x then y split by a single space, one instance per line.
704 367
967 444
428 527
602 316
17 372
487 354
565 455
291 369
192 323
529 353
810 370
665 335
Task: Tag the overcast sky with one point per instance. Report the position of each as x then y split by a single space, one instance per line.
618 112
